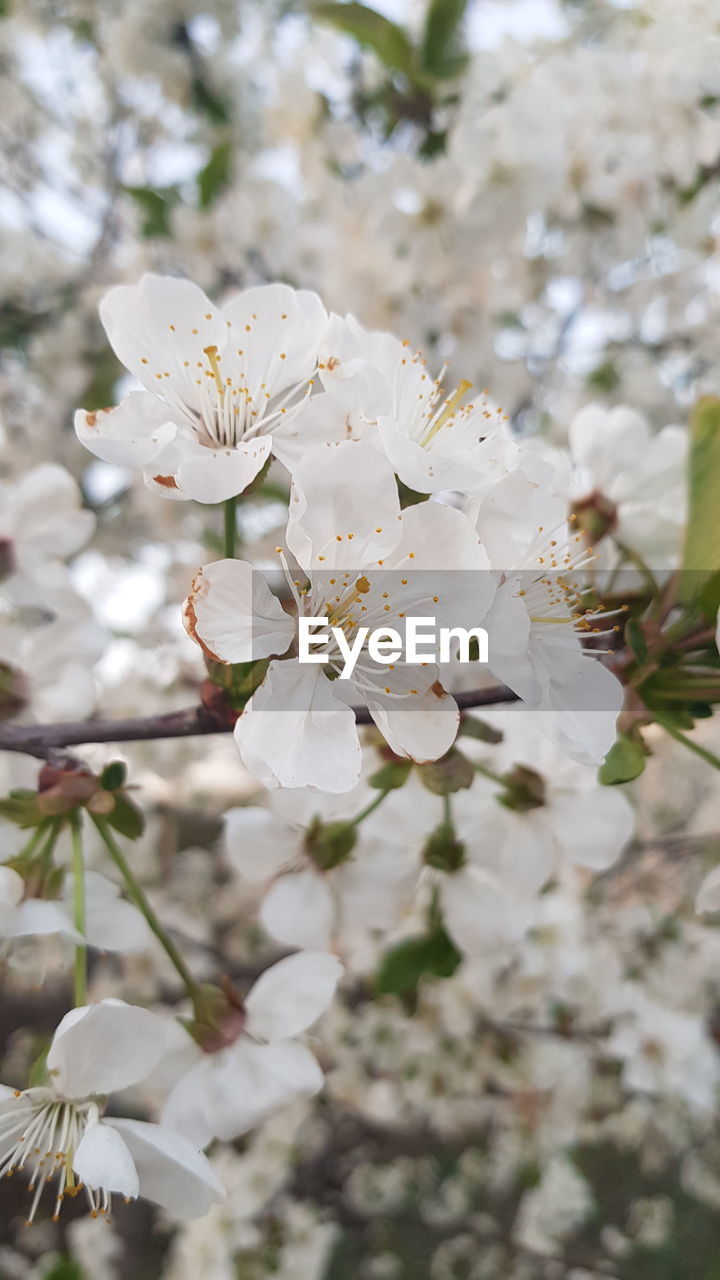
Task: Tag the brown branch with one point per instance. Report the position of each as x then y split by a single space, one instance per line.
47 741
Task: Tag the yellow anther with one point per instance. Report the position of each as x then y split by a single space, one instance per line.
213 360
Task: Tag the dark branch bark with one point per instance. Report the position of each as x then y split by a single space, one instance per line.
46 741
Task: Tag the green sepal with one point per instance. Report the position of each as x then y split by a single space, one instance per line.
442 849
126 818
113 776
392 775
329 844
624 761
452 772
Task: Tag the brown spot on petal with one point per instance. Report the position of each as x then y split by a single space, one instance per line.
91 419
167 482
437 689
190 617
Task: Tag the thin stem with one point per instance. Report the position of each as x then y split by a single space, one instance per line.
38 836
705 755
230 514
639 564
488 773
447 811
369 808
141 902
46 852
78 867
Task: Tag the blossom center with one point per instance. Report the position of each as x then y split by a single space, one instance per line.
43 1141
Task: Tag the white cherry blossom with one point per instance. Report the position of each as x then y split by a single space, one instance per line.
42 522
537 619
641 473
111 923
264 1066
365 563
382 390
57 1132
222 384
306 904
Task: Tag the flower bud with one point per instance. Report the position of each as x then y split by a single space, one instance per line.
61 790
219 1016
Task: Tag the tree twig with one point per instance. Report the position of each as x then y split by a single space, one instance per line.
45 741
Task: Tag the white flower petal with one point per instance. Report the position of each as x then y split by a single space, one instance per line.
103 1162
708 897
131 435
233 614
102 1047
156 325
15 1111
214 475
186 1108
171 1172
421 728
12 887
119 927
299 910
344 507
593 825
42 916
291 995
244 1084
258 843
295 733
479 914
279 330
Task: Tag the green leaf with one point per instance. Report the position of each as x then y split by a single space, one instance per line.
113 775
64 1268
156 205
386 39
431 955
623 762
106 370
604 378
442 56
701 556
207 101
126 818
216 175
